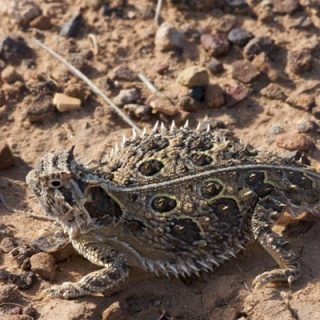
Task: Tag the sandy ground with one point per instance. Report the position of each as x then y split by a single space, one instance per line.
126 38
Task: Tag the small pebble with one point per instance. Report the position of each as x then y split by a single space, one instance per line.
169 38
285 6
7 244
43 264
237 93
294 141
42 23
6 156
215 66
140 112
274 91
305 125
40 110
127 96
214 96
217 44
9 293
14 50
189 104
226 23
258 45
239 36
237 4
25 11
244 71
30 311
301 100
163 105
275 130
65 103
72 27
77 90
193 76
123 73
263 64
115 312
10 75
300 61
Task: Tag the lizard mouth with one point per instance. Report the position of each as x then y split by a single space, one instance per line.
101 207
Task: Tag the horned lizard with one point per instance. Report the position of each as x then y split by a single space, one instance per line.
175 202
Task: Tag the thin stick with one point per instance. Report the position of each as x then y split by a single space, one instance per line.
92 86
148 84
157 16
93 39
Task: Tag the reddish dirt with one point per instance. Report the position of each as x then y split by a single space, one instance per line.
126 37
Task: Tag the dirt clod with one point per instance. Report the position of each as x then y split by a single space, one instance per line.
43 264
244 71
294 141
193 76
216 44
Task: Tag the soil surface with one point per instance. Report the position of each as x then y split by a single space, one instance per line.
266 92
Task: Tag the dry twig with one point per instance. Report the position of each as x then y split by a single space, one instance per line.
157 15
92 86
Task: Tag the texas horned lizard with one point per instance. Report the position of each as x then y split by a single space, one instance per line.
176 202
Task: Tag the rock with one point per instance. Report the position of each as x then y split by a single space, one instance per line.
162 104
65 103
274 91
123 73
7 244
236 93
275 130
263 64
244 71
301 100
197 93
140 112
10 75
226 23
258 45
189 104
6 156
215 66
193 76
80 60
169 38
40 110
72 27
237 4
114 312
127 96
285 6
25 11
77 90
9 293
300 61
43 264
14 50
24 280
42 23
305 125
217 44
31 312
214 96
294 141
239 36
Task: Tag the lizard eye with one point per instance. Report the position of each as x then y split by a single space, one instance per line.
55 183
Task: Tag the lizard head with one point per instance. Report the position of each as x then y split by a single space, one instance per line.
68 193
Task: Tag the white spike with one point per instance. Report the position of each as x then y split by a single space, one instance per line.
205 265
134 133
155 128
151 267
162 127
192 266
241 246
184 268
186 125
198 126
174 269
231 253
111 153
144 131
208 127
116 147
197 273
173 126
214 261
124 140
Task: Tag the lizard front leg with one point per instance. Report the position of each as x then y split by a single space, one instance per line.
114 272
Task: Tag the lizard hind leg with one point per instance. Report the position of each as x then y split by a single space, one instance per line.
275 245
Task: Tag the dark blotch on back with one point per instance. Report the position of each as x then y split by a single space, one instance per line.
150 167
299 179
211 188
256 181
185 230
163 204
200 159
254 178
202 143
224 207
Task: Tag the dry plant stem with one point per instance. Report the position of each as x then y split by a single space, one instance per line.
148 84
93 39
92 86
157 16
